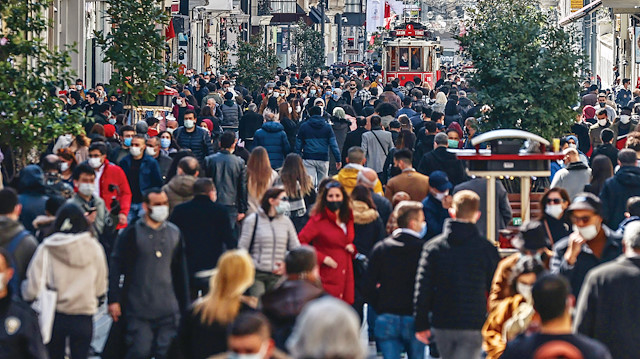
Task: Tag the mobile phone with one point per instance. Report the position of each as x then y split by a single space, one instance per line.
91 210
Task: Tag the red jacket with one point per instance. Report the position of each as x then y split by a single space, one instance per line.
113 174
329 240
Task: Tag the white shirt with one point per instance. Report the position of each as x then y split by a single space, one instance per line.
96 183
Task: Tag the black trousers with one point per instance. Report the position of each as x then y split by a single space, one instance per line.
79 330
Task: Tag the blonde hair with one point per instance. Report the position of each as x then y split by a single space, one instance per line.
233 276
466 204
441 98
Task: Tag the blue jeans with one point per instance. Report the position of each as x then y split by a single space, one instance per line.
396 334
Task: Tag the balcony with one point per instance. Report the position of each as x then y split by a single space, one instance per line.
264 7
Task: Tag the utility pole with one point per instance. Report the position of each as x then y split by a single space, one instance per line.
322 9
339 20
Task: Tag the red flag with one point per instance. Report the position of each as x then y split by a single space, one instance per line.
387 16
170 33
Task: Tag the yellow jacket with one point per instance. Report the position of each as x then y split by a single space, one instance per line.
348 177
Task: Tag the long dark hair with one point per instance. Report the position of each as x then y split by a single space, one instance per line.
362 194
292 174
545 198
271 193
70 219
601 170
344 214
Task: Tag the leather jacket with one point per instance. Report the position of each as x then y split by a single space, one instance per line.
229 175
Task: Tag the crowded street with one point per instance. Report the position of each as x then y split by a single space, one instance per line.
355 179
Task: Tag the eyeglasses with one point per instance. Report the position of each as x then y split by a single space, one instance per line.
555 200
581 220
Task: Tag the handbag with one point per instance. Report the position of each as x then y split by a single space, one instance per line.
45 303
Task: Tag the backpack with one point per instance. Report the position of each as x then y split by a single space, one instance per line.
14 283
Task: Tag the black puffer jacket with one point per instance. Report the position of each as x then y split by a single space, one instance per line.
615 192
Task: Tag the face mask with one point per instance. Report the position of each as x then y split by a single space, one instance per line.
189 123
151 151
165 142
352 86
159 213
572 145
179 102
95 162
588 232
625 119
298 109
269 91
453 143
603 104
441 195
112 121
86 189
290 110
525 291
64 166
335 97
135 151
334 205
170 130
554 210
283 207
127 141
258 355
423 231
52 178
602 122
312 92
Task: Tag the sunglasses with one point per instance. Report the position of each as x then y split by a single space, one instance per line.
333 184
581 220
555 200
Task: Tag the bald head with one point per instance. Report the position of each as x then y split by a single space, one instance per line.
367 177
189 166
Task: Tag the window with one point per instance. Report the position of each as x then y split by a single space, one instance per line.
283 6
353 6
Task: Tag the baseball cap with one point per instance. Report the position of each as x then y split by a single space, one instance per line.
586 201
440 181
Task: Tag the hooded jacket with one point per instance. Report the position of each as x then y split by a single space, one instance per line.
31 197
368 227
348 178
179 190
77 271
24 251
615 192
315 140
442 160
273 138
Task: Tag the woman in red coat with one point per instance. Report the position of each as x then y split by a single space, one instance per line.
330 231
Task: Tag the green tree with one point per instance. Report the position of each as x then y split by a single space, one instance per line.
527 68
256 62
309 48
31 115
134 46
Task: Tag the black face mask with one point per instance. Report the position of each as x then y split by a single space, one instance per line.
603 104
334 205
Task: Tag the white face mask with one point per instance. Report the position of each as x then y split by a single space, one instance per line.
159 213
554 210
259 355
135 151
151 151
170 130
179 102
525 291
298 109
625 119
86 188
587 232
95 162
290 110
64 166
572 145
189 123
441 195
602 122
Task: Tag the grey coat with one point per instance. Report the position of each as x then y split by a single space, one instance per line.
503 214
274 237
573 178
376 150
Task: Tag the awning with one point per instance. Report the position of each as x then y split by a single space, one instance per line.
580 13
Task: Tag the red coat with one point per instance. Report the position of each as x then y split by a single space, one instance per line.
329 240
113 174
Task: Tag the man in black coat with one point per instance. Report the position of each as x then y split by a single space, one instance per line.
250 122
606 148
354 138
207 233
622 186
454 275
442 160
607 308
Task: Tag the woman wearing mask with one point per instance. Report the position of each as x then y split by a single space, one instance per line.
557 224
268 235
68 163
167 145
269 106
454 138
514 314
203 331
330 230
298 186
260 177
75 265
601 170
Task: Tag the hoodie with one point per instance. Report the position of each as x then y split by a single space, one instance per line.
23 253
315 140
179 190
348 178
77 271
615 192
32 196
273 138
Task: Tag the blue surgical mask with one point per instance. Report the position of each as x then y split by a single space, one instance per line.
423 232
335 97
165 142
112 121
127 141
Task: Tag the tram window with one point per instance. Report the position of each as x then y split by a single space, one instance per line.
404 58
392 59
416 58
